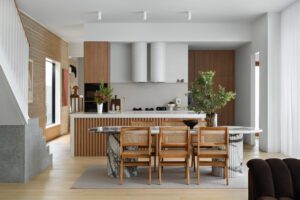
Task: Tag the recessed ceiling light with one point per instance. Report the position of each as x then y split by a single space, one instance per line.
99 15
144 15
189 15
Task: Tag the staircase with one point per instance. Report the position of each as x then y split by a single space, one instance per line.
38 157
23 150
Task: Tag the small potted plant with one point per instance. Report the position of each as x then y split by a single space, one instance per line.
205 99
103 95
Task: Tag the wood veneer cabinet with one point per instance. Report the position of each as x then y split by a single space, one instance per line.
223 63
96 62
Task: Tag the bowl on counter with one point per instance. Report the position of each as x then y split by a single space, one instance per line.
190 123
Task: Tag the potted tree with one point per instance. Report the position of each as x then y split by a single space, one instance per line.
103 95
205 99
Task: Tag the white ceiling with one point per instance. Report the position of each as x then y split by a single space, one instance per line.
67 17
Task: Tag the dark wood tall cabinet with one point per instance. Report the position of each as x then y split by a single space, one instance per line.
223 63
96 70
96 62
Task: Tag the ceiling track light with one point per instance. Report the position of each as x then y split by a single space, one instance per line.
145 15
189 15
99 15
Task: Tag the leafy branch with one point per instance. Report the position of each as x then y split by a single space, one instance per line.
204 98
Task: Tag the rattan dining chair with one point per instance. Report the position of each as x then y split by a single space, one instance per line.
194 143
154 138
170 137
217 138
135 137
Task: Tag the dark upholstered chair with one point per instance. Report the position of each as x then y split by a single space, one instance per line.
274 179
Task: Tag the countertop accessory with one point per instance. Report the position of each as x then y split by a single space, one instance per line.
171 105
190 123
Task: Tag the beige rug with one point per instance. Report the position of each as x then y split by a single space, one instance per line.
95 177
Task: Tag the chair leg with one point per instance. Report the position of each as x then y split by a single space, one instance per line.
187 171
155 162
149 171
226 172
194 162
159 171
198 171
121 171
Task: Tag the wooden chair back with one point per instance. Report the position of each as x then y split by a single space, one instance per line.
213 137
135 137
177 137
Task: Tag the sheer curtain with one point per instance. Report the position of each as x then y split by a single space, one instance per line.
290 81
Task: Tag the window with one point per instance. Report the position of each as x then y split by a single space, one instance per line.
52 91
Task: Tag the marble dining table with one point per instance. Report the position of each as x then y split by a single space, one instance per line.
236 150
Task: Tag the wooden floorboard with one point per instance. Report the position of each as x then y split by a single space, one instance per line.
55 183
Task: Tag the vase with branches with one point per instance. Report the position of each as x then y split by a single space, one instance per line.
103 95
206 99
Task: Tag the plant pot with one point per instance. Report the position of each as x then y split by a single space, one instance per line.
100 108
212 119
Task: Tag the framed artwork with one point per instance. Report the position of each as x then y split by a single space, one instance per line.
30 81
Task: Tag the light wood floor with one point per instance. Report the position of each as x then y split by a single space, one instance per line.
55 183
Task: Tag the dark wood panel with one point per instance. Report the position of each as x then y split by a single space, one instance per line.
222 62
96 62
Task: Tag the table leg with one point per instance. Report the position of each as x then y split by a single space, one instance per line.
235 162
113 158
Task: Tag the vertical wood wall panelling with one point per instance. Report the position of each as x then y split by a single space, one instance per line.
94 144
44 44
222 62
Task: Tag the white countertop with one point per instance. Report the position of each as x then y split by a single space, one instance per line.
142 114
155 130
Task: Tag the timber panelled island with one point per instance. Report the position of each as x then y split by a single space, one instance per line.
84 143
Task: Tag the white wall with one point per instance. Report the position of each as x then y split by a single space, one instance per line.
260 44
274 81
76 50
80 75
150 94
14 57
167 32
176 62
120 62
266 41
243 65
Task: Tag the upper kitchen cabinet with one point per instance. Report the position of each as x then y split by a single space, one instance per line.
96 62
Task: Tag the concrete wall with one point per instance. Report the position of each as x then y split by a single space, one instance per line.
23 152
12 154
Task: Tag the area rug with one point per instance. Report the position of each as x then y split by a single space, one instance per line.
95 177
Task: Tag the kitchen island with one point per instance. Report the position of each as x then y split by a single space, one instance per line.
83 143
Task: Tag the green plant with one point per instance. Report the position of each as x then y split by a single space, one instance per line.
104 94
204 98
